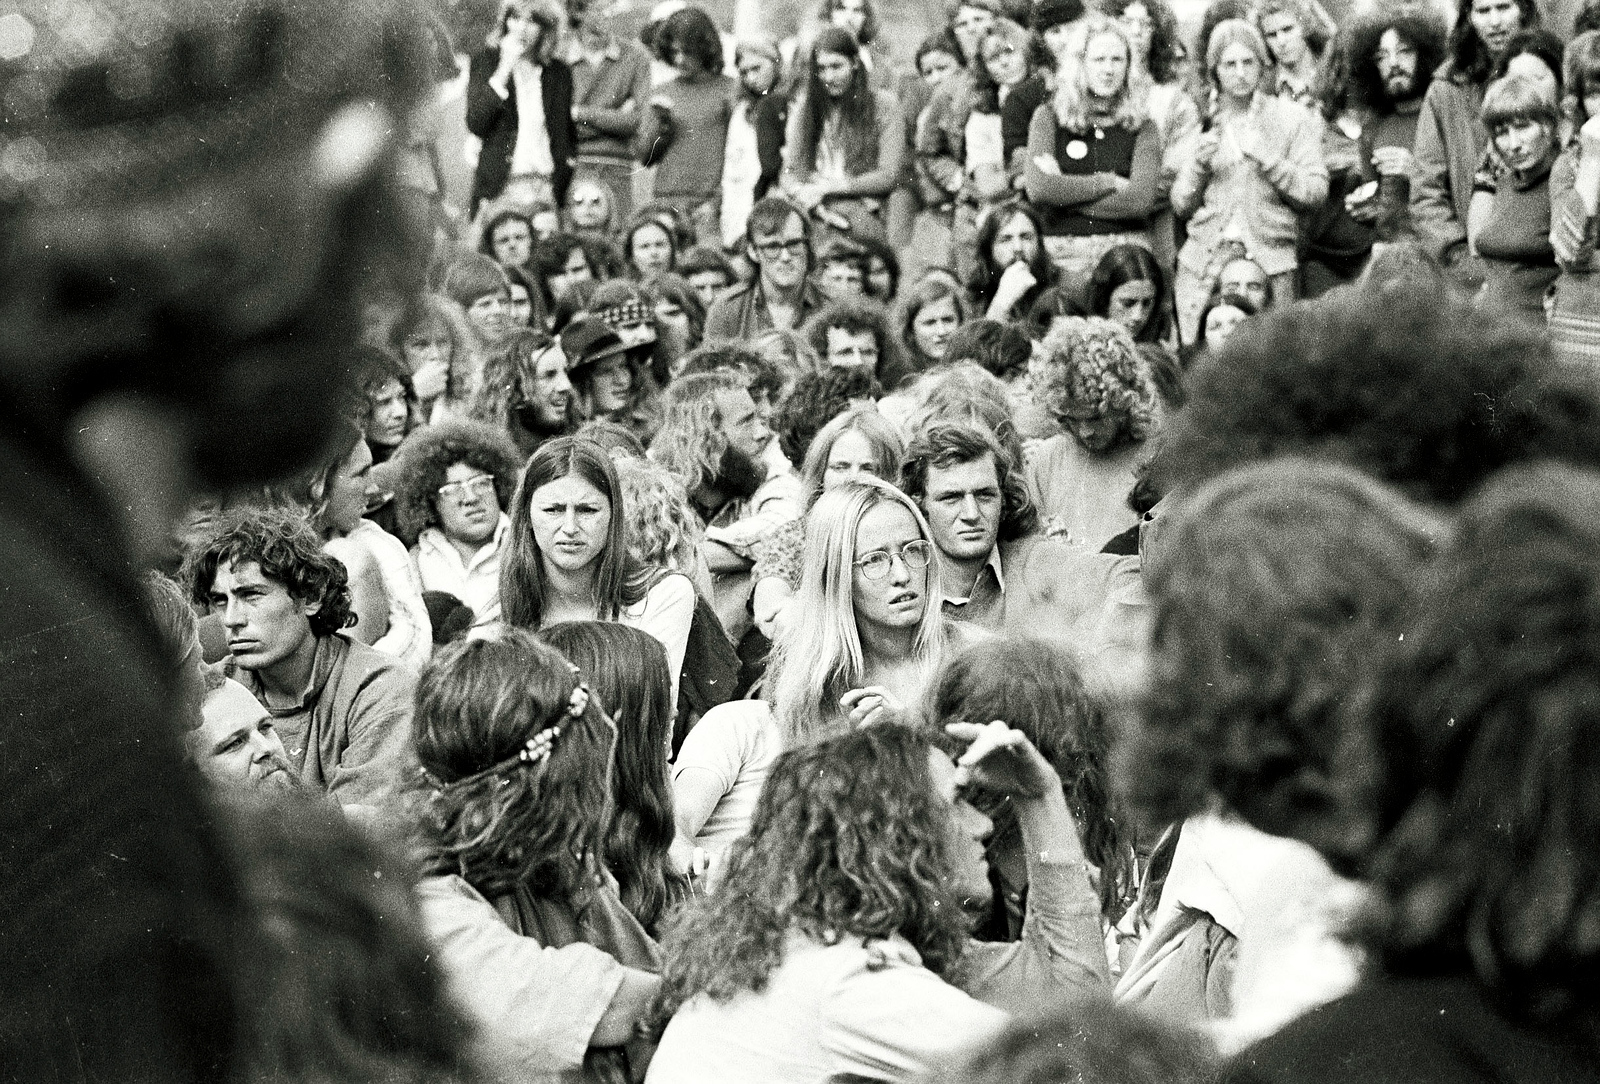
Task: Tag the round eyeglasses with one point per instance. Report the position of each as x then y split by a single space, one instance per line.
481 486
917 554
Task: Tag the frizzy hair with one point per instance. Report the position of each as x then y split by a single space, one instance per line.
848 839
427 456
1493 869
1165 48
531 823
282 543
815 662
627 670
1417 26
945 444
690 441
1036 686
1102 378
1274 587
1075 109
617 582
662 527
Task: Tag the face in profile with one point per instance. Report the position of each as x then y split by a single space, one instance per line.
264 623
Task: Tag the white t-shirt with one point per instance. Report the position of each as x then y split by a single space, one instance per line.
734 744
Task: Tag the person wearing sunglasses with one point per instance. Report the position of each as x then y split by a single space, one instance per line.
453 483
778 244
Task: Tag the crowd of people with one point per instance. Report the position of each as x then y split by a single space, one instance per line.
1071 562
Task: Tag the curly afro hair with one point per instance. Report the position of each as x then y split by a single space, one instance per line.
1424 392
430 452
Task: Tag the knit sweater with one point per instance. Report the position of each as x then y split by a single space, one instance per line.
689 161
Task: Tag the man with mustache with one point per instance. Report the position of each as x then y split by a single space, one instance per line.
236 747
1393 59
712 438
343 709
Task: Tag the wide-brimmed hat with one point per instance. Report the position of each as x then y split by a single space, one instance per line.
588 340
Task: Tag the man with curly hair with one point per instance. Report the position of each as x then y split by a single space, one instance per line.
453 484
1089 377
996 570
343 709
855 335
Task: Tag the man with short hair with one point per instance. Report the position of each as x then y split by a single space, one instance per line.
997 570
344 709
855 335
610 86
778 244
236 747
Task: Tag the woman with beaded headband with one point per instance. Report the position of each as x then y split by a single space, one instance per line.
533 940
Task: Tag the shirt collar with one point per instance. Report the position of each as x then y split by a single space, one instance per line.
993 564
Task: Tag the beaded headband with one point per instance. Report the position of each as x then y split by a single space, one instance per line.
534 752
627 312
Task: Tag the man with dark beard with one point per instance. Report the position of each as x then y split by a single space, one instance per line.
1392 61
712 438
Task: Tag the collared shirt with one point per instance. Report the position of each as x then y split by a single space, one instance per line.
957 609
349 733
742 313
476 582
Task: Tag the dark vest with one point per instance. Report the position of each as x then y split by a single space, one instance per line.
1101 150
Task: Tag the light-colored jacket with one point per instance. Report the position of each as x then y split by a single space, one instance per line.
1265 201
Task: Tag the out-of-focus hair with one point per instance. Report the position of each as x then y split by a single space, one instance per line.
691 440
627 669
1274 588
431 311
816 399
1165 48
816 661
283 545
869 25
1315 27
1516 98
617 584
950 444
999 348
691 32
663 530
1470 59
848 839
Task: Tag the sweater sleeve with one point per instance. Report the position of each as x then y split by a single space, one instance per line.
891 154
1301 176
1046 188
622 122
1137 200
377 758
937 159
1433 210
1189 185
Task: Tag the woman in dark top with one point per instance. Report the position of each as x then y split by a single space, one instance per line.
1509 222
519 103
1094 157
1129 288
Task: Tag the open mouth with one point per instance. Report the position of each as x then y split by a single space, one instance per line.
903 598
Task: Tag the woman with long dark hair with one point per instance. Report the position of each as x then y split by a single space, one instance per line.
627 669
840 948
566 554
845 143
516 755
1010 268
931 312
1129 288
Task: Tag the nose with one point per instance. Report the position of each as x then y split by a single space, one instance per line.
969 507
260 747
899 571
233 615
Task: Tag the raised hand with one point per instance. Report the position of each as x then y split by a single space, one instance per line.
1003 760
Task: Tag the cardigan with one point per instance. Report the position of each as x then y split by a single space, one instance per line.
493 119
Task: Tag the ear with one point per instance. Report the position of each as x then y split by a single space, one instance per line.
311 609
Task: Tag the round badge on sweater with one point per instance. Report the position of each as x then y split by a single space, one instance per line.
1077 150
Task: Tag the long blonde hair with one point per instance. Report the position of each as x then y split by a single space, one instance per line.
1075 110
818 658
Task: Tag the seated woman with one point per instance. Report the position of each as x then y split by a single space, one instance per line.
1275 588
534 944
1129 288
1038 687
1486 746
872 636
845 144
1094 155
566 556
1222 316
1087 375
1010 267
627 669
930 314
453 483
443 354
855 442
837 945
1509 222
